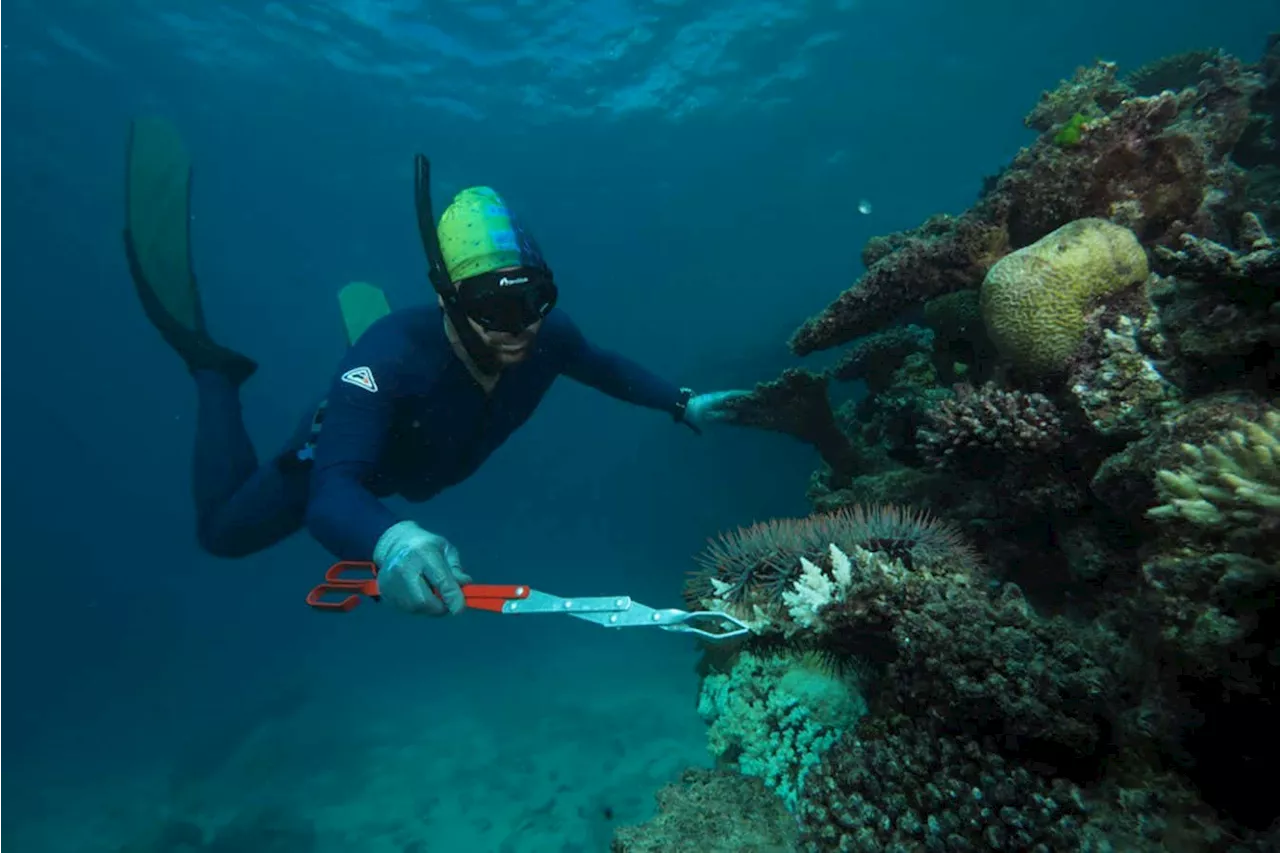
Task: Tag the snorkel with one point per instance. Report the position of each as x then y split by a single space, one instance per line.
485 360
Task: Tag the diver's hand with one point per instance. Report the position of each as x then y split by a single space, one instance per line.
418 571
705 409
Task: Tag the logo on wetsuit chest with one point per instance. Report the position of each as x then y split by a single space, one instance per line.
361 377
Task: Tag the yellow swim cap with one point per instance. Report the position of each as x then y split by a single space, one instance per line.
478 234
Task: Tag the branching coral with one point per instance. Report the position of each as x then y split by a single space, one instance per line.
990 421
817 590
1212 574
952 655
1232 484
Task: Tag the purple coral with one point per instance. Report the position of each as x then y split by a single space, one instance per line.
989 420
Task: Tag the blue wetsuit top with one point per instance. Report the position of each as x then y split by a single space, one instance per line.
404 416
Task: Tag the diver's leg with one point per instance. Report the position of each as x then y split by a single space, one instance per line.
241 507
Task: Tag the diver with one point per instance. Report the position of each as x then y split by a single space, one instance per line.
421 399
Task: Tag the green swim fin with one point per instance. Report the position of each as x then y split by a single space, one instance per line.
362 304
157 239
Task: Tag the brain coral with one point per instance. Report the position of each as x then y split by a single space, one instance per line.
1034 299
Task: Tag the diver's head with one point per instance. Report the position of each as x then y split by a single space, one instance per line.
504 287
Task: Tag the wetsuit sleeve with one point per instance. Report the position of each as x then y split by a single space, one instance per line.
614 374
342 513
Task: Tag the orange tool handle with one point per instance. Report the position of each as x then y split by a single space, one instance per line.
491 597
315 598
335 580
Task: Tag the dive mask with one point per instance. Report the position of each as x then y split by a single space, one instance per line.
508 301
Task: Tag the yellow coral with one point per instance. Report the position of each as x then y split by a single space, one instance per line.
1234 481
1034 299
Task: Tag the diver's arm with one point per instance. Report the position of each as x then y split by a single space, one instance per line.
616 375
342 514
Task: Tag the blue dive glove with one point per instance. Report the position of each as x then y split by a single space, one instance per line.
699 410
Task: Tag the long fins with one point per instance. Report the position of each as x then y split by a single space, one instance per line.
158 221
157 239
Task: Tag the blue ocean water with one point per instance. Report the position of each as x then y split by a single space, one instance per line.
693 172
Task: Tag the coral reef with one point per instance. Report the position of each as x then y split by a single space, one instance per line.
712 811
1214 576
1173 73
885 421
917 789
1092 91
1071 640
943 255
1219 309
797 404
953 653
1119 389
1125 482
774 716
1211 576
962 349
875 358
1157 165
